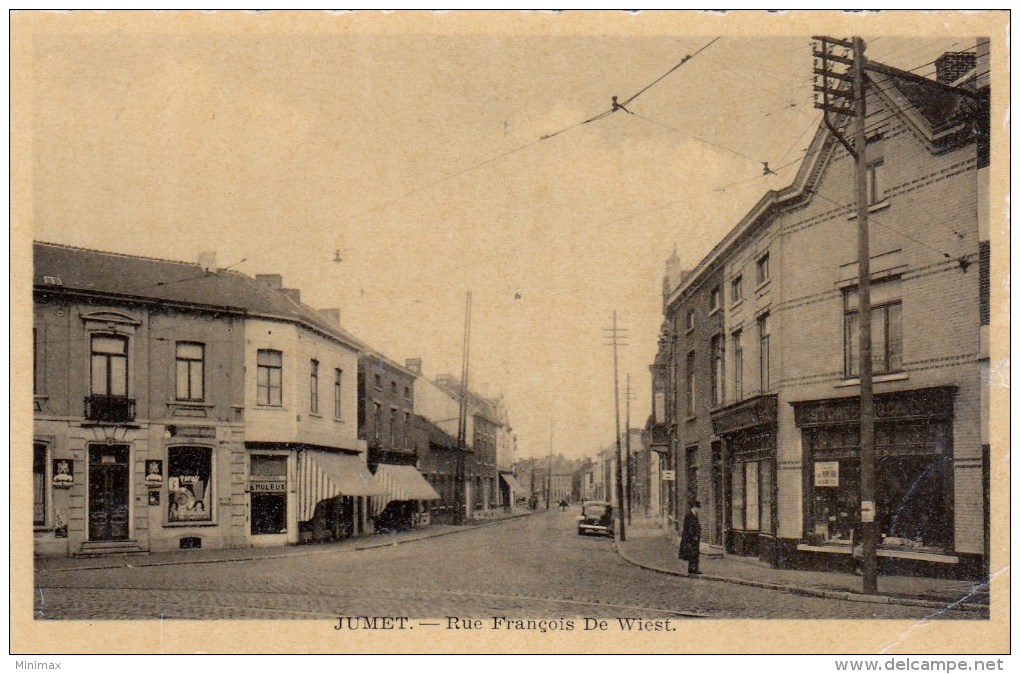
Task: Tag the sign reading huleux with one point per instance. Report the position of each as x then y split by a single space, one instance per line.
273 484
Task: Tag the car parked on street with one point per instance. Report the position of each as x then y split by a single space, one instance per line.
596 518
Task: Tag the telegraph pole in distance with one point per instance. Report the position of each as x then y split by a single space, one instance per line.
548 471
461 513
615 336
858 150
630 466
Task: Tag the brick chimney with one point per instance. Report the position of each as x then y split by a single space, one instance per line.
292 293
953 65
332 315
207 260
413 364
274 281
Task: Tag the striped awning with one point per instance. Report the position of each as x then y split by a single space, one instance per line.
325 475
512 482
403 483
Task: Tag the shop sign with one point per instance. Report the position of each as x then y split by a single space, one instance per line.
268 484
668 475
154 473
205 432
63 473
826 473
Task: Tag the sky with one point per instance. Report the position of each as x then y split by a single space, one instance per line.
418 155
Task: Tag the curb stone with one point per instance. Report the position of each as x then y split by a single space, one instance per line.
289 551
810 592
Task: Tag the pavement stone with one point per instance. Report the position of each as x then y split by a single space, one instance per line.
649 545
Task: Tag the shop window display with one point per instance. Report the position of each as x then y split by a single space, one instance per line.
189 485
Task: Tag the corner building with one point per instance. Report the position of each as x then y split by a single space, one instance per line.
779 376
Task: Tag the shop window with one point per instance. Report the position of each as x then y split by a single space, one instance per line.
313 382
752 503
109 365
39 485
189 484
737 496
268 487
190 371
837 501
911 505
270 377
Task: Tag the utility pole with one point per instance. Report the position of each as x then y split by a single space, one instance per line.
461 513
548 469
858 150
616 336
630 463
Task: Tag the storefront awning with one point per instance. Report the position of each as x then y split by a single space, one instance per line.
404 483
325 475
512 482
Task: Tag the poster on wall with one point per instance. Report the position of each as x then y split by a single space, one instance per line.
187 498
826 473
63 473
154 473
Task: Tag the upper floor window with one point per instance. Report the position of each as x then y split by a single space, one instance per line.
407 429
764 329
886 336
109 365
738 365
190 371
378 381
314 387
763 268
689 320
737 289
718 369
338 376
690 384
875 182
393 388
407 392
378 420
270 378
715 299
35 360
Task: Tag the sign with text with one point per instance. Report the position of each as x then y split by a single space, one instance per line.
826 473
266 484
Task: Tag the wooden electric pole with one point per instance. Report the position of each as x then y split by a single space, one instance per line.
615 335
857 149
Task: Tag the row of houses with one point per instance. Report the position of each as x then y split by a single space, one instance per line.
178 405
755 394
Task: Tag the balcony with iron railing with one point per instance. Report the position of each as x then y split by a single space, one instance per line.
109 409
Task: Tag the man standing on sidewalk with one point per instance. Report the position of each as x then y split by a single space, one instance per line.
690 539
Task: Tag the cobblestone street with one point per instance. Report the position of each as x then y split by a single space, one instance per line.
533 567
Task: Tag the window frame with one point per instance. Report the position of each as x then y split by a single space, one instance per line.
689 320
44 449
269 386
737 289
876 172
851 339
313 386
690 384
714 299
762 266
718 351
178 359
738 364
338 376
764 353
108 380
208 493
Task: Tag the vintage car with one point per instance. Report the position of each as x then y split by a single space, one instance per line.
596 518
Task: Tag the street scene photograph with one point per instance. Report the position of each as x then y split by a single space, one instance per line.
509 332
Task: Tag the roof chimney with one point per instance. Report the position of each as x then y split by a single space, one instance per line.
332 315
207 260
953 65
413 364
274 281
292 293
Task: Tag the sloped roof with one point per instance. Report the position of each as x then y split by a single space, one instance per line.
940 105
61 268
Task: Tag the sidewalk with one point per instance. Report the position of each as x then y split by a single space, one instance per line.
648 545
210 556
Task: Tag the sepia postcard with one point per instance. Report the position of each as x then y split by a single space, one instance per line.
510 332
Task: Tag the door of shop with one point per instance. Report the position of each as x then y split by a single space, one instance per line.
108 492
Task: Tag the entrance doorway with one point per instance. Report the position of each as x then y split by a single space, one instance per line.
108 492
